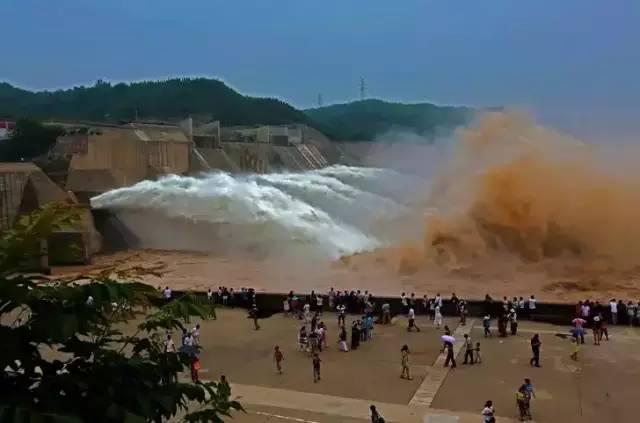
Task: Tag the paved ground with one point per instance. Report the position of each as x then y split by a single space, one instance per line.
600 387
245 356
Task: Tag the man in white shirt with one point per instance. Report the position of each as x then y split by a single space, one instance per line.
169 346
341 311
438 301
332 298
319 303
209 296
532 307
437 318
405 303
195 333
613 306
412 320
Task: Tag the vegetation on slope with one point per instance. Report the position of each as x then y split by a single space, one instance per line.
166 100
365 120
66 354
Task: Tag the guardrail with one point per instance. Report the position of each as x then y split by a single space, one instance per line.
556 313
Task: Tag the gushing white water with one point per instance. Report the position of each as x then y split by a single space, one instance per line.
329 211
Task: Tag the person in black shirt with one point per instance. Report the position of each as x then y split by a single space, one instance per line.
535 349
448 346
316 367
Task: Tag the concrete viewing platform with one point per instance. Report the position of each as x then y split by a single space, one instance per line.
600 386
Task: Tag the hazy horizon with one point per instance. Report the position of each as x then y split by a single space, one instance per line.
573 64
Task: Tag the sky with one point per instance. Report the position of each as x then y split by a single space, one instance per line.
574 63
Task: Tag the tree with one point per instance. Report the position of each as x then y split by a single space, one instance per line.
30 139
67 355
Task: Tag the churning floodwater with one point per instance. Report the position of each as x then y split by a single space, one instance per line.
331 212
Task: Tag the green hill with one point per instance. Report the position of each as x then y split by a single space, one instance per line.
166 100
367 119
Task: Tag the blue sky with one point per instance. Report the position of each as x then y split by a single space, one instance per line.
568 61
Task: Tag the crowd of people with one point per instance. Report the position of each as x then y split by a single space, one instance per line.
313 336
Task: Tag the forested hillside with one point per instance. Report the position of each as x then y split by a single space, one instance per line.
170 99
365 120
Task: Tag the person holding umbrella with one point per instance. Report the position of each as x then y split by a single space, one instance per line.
448 346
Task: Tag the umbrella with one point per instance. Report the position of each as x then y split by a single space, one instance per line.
448 338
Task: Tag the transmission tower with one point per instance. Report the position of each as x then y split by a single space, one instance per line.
362 88
319 99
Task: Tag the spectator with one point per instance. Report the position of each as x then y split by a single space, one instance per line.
532 307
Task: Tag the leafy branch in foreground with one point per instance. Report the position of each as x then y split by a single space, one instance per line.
90 347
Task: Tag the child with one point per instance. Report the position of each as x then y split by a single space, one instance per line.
285 306
576 348
486 324
278 357
478 356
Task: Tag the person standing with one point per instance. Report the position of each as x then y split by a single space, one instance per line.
578 328
404 352
603 328
355 335
319 304
405 303
386 313
597 329
488 413
532 307
412 321
462 309
341 312
375 416
195 332
437 317
342 340
278 358
513 321
195 368
477 352
167 293
613 309
486 324
209 296
316 367
332 299
468 350
535 349
253 312
169 345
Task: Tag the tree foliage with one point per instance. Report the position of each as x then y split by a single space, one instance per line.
66 359
370 119
167 100
30 139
